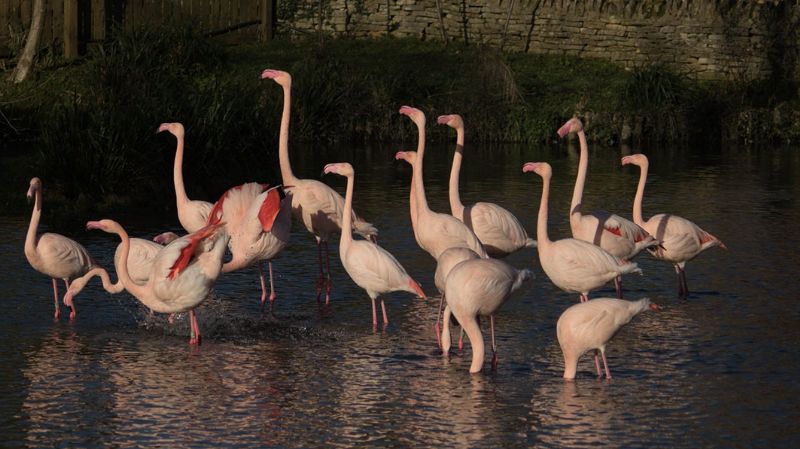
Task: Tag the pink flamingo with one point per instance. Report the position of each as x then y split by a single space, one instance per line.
435 232
315 204
182 274
371 267
591 325
192 214
573 265
53 254
498 230
681 239
411 158
479 287
259 223
140 262
619 236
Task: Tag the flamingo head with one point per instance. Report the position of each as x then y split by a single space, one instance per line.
165 238
408 156
635 159
542 169
452 120
647 304
573 125
279 76
176 129
340 168
417 116
105 225
35 186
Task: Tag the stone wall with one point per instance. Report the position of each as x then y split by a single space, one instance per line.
706 39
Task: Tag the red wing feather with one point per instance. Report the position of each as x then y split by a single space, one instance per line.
614 230
187 252
269 209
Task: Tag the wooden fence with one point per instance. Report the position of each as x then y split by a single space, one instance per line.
96 17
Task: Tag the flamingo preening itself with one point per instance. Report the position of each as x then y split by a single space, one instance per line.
573 265
433 231
182 273
192 214
591 325
53 254
681 240
314 204
619 236
371 267
498 230
474 288
258 220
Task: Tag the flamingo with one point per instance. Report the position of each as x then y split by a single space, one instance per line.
314 204
447 260
259 223
497 229
181 275
192 214
591 325
573 265
682 239
140 260
371 267
435 232
53 254
479 287
619 236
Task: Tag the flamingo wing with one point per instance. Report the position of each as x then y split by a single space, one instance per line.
374 269
496 228
194 215
269 209
63 257
184 249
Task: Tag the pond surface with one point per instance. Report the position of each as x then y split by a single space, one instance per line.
717 370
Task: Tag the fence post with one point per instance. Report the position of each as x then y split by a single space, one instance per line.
267 20
70 29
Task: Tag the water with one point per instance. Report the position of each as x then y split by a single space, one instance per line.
719 369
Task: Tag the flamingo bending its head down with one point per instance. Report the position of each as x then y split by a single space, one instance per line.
573 265
314 203
619 236
591 325
371 267
479 287
53 254
498 230
682 240
181 275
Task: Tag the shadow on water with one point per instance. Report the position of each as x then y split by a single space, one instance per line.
718 369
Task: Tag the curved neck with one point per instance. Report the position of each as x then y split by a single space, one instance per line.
456 207
419 186
122 270
637 201
570 366
347 220
580 179
177 173
78 284
412 202
541 223
283 138
30 237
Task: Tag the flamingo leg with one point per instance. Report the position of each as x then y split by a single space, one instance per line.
584 297
195 338
321 278
597 364
436 329
329 282
263 285
605 364
374 316
73 313
461 339
618 285
683 288
385 317
272 295
57 313
494 345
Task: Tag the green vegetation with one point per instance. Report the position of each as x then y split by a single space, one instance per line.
93 123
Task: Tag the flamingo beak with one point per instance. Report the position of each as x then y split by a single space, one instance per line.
163 127
443 119
564 130
93 225
655 306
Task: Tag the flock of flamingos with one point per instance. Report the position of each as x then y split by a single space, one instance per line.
253 221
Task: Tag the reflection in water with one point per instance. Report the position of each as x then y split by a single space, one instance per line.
718 369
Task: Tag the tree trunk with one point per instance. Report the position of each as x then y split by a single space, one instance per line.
25 63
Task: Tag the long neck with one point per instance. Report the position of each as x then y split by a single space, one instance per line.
30 237
122 270
419 186
283 139
78 284
347 220
570 366
456 207
637 201
541 224
177 173
412 202
580 180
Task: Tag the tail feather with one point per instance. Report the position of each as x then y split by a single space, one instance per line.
531 243
364 229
